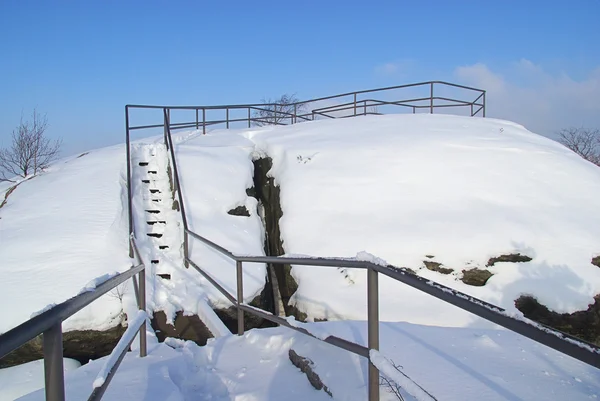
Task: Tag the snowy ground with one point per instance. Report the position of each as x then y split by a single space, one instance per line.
24 379
399 187
402 187
448 363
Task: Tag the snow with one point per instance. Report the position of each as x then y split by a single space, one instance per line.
448 363
460 189
382 189
94 283
133 327
58 231
26 378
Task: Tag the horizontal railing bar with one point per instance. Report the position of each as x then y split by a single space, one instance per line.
307 101
18 336
578 349
212 244
218 286
333 340
98 392
553 338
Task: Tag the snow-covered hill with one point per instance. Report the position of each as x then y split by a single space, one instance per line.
406 188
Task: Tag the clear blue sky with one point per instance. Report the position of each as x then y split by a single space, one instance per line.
81 62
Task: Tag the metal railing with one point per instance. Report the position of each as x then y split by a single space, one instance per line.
562 342
49 324
428 96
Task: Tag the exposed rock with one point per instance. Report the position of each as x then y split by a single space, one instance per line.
251 192
185 328
81 345
582 324
268 194
305 365
437 267
476 277
239 211
512 257
596 260
83 154
429 256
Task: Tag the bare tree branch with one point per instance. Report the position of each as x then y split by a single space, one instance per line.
585 142
278 111
30 151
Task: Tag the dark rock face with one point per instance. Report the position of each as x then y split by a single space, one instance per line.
596 261
437 267
185 328
268 194
582 324
239 211
476 277
81 345
305 365
513 258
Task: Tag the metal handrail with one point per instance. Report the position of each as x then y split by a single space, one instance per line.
49 324
297 116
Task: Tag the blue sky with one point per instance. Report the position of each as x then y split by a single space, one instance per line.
81 62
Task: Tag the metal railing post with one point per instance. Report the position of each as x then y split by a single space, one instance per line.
53 363
197 125
203 121
165 127
355 104
185 249
431 98
414 110
248 117
142 306
365 108
129 189
240 297
373 330
483 103
295 116
227 116
471 109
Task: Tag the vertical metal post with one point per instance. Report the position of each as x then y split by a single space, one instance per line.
414 110
365 108
197 125
295 116
166 127
203 121
355 104
431 98
471 109
185 249
248 117
373 330
129 189
227 116
53 363
142 306
483 103
240 297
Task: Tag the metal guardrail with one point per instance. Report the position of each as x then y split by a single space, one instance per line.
348 104
562 342
49 324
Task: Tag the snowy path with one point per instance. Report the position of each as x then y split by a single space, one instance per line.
449 363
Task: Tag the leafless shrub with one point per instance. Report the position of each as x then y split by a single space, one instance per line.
585 142
278 111
30 151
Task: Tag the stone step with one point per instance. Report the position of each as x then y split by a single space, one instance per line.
153 211
143 164
155 235
152 222
163 247
154 191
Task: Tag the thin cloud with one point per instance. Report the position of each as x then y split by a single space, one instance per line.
528 94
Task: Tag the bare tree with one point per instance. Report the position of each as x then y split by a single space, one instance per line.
30 151
585 142
277 111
